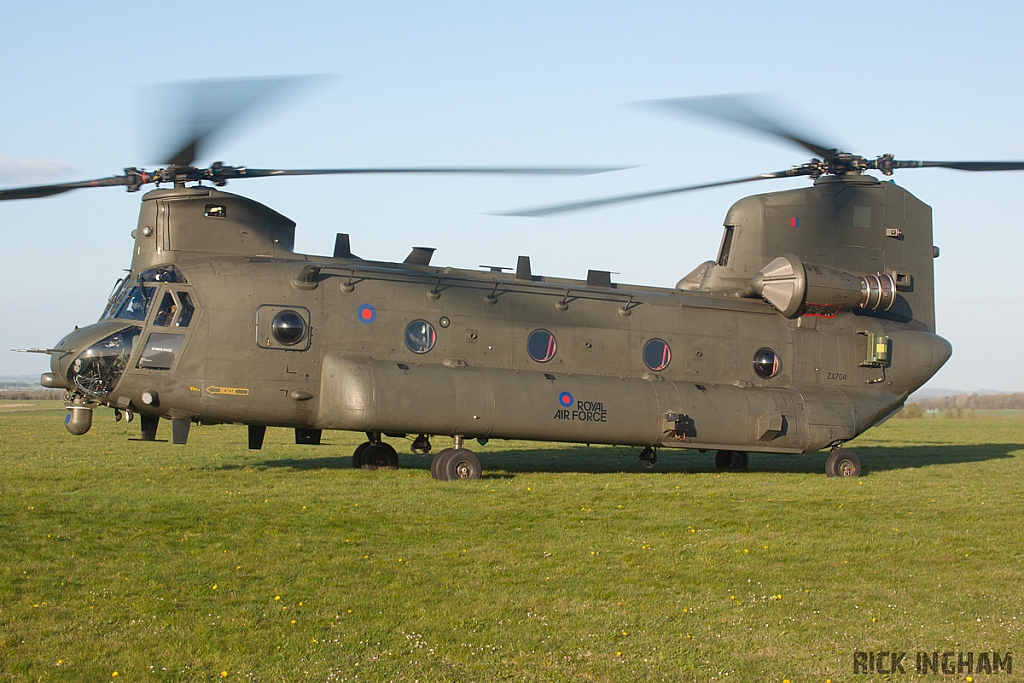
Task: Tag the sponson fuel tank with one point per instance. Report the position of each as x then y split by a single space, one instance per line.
362 394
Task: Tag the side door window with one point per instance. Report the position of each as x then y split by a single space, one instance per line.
170 324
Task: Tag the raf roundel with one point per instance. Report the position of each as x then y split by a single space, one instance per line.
366 314
565 399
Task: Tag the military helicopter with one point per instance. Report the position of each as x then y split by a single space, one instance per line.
814 322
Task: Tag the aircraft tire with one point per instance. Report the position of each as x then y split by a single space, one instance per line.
357 456
731 460
842 462
462 464
438 462
379 457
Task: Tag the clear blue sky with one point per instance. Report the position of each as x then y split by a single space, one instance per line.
515 83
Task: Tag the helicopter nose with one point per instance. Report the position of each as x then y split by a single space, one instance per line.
90 360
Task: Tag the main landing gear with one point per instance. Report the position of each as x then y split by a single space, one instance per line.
842 462
448 465
731 460
455 463
374 454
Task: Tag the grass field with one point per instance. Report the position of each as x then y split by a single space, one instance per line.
210 562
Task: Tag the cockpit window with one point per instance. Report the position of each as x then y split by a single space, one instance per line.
131 297
165 313
188 309
162 274
135 303
115 295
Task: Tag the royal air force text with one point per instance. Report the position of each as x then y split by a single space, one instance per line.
585 411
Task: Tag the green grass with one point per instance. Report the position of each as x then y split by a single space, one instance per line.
171 563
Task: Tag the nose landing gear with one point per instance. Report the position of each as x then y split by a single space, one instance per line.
421 445
648 457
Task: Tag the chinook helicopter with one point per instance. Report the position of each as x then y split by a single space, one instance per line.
814 322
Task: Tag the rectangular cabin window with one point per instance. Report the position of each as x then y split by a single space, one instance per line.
216 211
165 313
160 351
188 309
723 253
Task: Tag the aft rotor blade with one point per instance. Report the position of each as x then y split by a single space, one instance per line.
472 170
963 165
58 188
594 203
743 111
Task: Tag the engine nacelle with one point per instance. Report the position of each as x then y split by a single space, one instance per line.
796 288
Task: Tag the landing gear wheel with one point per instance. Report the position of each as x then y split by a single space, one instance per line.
438 463
461 463
357 456
648 457
842 462
380 456
731 460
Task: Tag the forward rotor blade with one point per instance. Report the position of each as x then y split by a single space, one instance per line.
594 203
201 109
743 111
58 188
963 165
472 170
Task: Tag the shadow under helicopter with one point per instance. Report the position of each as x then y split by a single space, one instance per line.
504 464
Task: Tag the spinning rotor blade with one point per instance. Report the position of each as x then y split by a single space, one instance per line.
742 111
469 170
58 188
219 174
201 109
963 165
594 203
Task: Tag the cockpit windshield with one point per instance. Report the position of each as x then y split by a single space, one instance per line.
133 302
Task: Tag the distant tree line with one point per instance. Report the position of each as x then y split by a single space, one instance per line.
956 405
975 402
30 394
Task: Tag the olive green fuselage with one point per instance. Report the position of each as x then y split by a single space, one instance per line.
354 370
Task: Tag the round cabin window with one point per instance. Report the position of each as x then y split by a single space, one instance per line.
766 363
657 355
288 328
420 336
541 346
